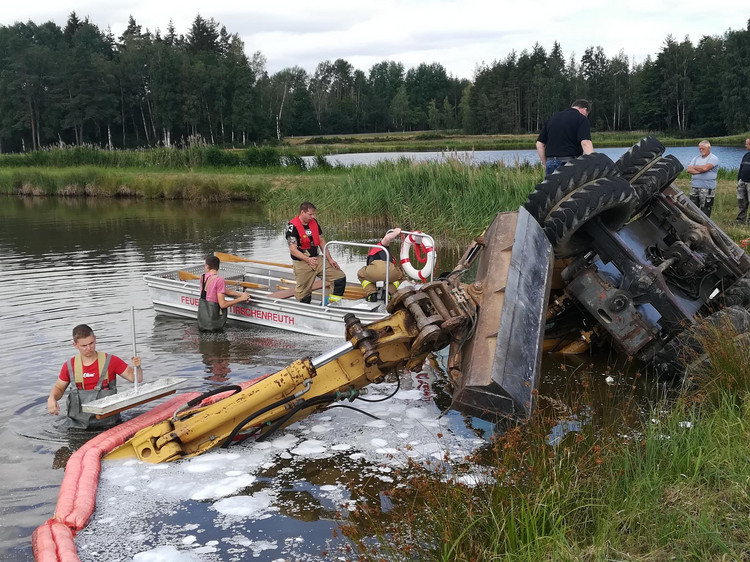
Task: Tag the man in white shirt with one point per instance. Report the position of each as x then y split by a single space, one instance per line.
703 170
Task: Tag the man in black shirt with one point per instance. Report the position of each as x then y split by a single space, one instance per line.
565 135
743 185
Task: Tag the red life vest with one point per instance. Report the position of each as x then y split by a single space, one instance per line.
304 239
372 255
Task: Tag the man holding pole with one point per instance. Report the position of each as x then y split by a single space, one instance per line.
95 376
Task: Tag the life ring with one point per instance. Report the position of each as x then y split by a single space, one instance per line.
426 244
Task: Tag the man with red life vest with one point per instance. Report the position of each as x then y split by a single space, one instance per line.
95 376
376 267
305 238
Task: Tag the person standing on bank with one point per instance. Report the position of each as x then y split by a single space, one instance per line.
375 268
213 304
305 239
565 136
703 169
95 376
743 185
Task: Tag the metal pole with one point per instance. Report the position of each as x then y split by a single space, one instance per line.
135 352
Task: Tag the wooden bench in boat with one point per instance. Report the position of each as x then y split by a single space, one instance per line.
286 293
350 293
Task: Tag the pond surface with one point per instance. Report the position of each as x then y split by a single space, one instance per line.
729 156
67 262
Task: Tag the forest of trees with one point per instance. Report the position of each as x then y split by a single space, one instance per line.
80 85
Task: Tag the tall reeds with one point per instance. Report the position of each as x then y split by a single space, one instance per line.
190 157
101 182
440 197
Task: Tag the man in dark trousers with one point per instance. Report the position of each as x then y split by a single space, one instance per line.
565 135
743 185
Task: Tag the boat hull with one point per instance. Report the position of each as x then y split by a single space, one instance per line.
176 297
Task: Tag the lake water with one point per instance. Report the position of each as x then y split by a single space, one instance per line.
67 262
71 261
729 157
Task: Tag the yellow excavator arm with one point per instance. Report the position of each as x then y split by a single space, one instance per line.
494 358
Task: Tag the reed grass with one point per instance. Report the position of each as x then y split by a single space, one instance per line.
191 157
672 486
108 182
198 154
453 198
451 141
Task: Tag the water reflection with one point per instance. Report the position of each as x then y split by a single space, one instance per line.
215 351
72 261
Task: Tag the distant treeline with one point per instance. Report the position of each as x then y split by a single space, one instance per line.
80 85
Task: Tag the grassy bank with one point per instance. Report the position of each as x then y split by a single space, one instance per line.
672 486
290 152
205 185
453 200
191 158
448 141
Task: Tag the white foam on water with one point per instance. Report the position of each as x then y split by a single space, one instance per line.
214 507
166 554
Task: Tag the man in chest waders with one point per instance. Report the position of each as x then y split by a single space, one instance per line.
95 376
212 306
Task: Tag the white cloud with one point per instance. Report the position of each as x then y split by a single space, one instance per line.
458 34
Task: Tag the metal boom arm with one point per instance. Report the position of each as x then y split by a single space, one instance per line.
499 381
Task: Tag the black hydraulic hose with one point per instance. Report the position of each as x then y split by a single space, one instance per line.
332 406
243 436
391 395
322 399
251 417
198 399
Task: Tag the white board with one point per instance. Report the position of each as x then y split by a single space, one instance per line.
121 400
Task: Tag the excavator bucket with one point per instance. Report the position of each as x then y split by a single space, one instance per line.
498 369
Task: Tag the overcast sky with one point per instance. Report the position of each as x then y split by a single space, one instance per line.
457 34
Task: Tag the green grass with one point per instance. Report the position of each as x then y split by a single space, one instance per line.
454 200
156 158
290 151
451 198
452 141
203 186
672 485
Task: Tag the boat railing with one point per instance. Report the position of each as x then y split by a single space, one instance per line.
230 272
364 245
357 245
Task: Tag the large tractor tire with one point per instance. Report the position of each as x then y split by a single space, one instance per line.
686 349
659 175
738 294
610 199
556 187
639 158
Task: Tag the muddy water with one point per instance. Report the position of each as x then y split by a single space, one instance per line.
67 262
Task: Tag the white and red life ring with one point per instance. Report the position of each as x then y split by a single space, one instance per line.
426 243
